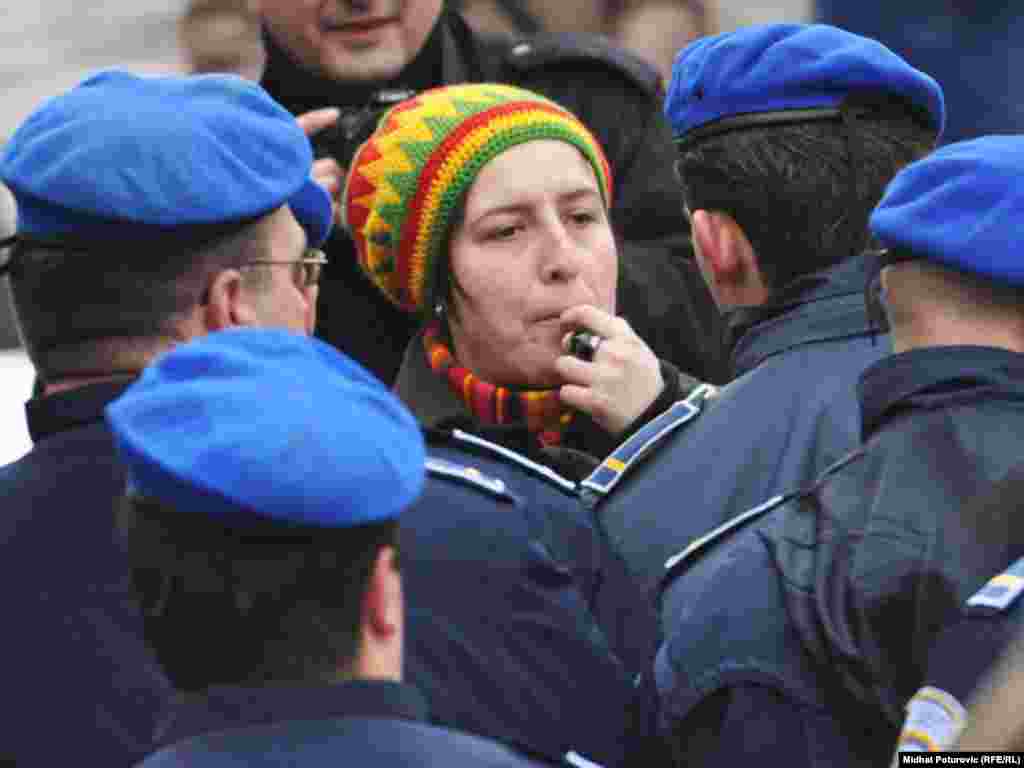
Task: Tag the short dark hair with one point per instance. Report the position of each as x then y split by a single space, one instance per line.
71 301
248 605
789 186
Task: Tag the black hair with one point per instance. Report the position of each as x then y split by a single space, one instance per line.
802 192
248 605
72 300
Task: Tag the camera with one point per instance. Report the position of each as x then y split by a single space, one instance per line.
355 125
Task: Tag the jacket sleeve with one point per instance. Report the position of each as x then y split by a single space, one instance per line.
661 291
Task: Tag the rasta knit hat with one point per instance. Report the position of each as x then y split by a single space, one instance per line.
409 178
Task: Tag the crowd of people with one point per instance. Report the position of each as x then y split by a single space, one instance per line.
427 398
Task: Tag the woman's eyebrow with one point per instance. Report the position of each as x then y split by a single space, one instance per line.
568 196
579 193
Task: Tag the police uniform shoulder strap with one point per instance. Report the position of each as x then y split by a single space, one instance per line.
475 444
680 561
470 476
532 54
645 440
999 593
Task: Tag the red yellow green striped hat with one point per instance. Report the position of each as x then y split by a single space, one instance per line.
412 174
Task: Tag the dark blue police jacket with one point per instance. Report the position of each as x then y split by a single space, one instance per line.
502 581
965 651
800 635
359 723
790 413
79 685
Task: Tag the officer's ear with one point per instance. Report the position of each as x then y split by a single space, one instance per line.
383 606
227 302
726 259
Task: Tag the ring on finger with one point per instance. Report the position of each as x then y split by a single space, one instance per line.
584 345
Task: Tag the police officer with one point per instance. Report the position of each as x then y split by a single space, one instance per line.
143 221
267 477
786 136
350 54
830 601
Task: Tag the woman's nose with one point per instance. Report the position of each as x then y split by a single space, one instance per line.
561 261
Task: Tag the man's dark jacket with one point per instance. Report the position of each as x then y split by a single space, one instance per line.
359 723
790 413
800 637
79 684
618 97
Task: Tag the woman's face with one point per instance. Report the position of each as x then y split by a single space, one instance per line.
534 240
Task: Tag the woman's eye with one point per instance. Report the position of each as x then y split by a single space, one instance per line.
583 217
503 233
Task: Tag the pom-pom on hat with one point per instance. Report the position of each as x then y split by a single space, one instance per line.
410 177
251 424
785 73
959 207
129 158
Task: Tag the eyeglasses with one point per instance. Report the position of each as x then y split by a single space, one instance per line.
307 270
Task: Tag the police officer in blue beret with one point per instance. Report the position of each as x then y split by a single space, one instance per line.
786 137
827 604
150 211
267 477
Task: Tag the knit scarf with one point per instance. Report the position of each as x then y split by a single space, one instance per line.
540 409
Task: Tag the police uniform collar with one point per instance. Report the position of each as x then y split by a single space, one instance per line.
73 408
934 376
227 707
757 333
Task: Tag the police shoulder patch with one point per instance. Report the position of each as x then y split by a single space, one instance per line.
999 593
467 475
645 440
716 534
935 720
573 48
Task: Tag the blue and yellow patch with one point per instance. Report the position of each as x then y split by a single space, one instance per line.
1000 592
604 479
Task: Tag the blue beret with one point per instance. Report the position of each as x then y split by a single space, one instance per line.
961 206
779 72
128 157
267 423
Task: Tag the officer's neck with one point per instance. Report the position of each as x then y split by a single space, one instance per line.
944 331
102 360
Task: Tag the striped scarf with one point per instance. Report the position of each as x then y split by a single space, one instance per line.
540 409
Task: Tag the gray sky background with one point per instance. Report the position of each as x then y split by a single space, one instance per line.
49 45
